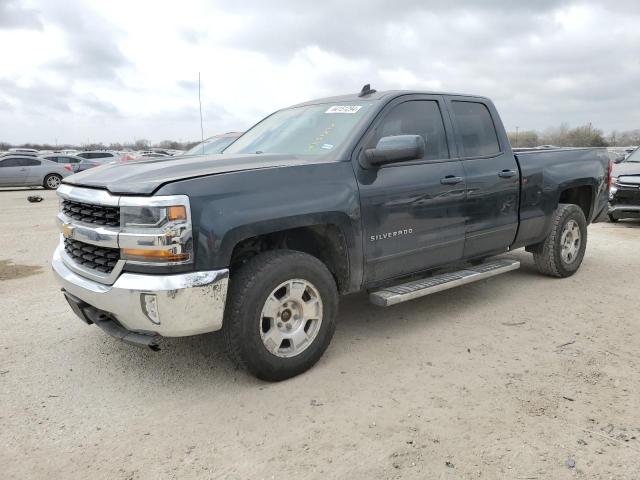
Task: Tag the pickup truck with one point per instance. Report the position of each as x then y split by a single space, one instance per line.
398 193
624 196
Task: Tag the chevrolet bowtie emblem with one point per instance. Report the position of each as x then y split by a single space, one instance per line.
67 230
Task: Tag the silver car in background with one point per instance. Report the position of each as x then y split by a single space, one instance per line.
72 162
26 171
215 144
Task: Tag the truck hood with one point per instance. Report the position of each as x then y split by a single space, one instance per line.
626 168
143 177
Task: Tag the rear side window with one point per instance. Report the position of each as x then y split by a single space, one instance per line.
416 117
65 160
476 129
29 162
101 155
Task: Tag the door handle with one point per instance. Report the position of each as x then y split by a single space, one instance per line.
507 173
23 169
450 180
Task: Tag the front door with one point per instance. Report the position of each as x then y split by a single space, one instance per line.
412 212
12 172
492 176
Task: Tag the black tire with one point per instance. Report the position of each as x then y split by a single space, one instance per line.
249 288
547 255
48 179
613 219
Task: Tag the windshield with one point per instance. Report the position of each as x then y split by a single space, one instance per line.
634 157
308 130
211 145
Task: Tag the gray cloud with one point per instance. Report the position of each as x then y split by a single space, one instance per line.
37 99
516 52
539 71
188 84
92 43
99 106
192 36
14 16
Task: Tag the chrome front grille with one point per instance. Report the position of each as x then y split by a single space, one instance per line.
108 216
97 258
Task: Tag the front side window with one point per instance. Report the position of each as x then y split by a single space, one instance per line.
476 129
10 162
306 130
416 117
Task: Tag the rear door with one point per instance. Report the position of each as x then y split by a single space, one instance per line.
413 211
492 176
35 171
12 172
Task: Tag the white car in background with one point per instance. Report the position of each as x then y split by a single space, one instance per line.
215 144
23 150
100 156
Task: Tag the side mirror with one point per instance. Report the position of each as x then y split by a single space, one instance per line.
619 159
398 148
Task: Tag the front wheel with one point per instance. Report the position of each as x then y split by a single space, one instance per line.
561 253
52 181
280 314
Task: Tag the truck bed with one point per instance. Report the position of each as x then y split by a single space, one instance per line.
546 174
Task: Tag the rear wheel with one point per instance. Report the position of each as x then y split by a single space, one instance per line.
280 314
561 253
52 181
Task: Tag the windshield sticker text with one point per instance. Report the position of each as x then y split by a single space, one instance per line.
344 109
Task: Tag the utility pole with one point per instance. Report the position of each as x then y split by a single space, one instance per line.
517 128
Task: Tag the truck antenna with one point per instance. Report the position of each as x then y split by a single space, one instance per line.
201 128
366 90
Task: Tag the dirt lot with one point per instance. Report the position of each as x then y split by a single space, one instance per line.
519 377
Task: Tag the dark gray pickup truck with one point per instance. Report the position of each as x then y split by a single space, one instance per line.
400 194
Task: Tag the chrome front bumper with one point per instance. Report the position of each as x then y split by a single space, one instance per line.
624 211
166 305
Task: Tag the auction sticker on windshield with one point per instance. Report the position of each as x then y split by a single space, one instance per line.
344 109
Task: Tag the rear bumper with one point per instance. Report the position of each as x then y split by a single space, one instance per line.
166 305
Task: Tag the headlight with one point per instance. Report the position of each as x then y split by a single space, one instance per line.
613 189
156 231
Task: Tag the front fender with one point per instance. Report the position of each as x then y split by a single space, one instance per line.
229 208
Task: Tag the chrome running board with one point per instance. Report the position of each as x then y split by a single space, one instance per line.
419 288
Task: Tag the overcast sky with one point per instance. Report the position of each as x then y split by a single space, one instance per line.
113 71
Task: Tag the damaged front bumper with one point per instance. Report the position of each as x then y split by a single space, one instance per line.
621 211
147 305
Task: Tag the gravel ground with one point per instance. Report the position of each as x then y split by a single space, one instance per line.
520 377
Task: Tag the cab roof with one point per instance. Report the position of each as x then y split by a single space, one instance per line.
377 96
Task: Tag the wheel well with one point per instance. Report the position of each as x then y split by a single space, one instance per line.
325 242
581 196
